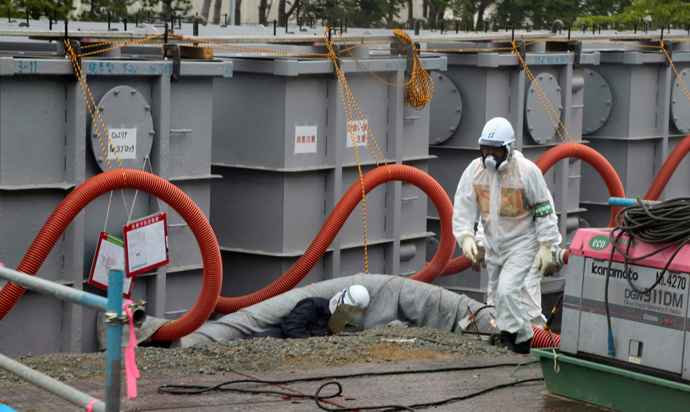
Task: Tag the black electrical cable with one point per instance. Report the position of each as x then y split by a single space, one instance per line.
480 309
387 408
666 222
197 389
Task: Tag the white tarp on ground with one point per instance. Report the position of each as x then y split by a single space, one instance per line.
393 298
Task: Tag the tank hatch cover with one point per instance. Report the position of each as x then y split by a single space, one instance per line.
446 109
597 102
128 121
539 123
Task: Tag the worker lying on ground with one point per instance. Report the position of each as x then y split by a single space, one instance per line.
519 225
316 316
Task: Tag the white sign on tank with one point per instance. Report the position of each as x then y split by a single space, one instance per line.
124 142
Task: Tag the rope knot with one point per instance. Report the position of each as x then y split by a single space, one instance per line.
402 36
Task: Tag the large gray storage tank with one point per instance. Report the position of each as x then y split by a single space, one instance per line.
277 190
635 109
48 147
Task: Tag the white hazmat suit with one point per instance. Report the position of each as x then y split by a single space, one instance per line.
531 289
518 217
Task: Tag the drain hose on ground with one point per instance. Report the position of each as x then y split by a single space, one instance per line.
103 183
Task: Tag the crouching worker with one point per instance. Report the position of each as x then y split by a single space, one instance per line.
519 226
344 312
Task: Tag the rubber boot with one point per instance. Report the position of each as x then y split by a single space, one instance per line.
507 340
523 347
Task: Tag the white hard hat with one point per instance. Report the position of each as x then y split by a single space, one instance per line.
355 295
497 132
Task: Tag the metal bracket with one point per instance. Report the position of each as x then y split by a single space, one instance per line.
522 50
668 46
76 47
138 315
406 50
173 51
575 46
111 318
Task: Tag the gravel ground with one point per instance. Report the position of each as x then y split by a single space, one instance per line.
375 345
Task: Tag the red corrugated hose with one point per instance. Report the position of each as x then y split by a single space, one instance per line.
594 159
209 300
335 222
667 169
542 338
130 179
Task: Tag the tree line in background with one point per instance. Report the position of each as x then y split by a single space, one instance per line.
477 15
97 10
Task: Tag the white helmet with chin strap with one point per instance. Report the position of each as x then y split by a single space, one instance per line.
498 132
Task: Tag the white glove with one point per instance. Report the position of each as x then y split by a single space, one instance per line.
544 257
469 248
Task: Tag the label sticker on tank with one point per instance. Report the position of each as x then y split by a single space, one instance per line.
305 139
357 133
124 141
635 359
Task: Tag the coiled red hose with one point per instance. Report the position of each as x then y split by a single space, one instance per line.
154 185
667 169
542 338
335 222
594 159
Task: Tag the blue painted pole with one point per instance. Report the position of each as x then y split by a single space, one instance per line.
113 351
626 202
54 289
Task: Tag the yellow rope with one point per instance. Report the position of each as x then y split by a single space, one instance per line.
546 41
353 111
470 49
420 88
246 49
84 90
685 90
89 46
142 41
544 99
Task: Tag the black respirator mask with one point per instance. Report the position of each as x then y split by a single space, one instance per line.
494 164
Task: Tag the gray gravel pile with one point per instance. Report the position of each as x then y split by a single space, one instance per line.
376 345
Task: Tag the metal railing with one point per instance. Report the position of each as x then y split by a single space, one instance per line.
112 306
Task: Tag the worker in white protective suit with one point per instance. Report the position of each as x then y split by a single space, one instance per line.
520 226
531 290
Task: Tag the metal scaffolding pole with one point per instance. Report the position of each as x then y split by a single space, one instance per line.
113 308
54 289
51 385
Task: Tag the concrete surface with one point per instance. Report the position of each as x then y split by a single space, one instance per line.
366 391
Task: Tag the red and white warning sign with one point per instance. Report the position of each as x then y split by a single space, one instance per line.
305 139
110 254
357 133
146 244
